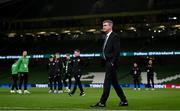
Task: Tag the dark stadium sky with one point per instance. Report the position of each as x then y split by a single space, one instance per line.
51 8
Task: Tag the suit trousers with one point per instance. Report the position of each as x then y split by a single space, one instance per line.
111 78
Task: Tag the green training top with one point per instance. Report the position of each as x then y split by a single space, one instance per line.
14 69
23 64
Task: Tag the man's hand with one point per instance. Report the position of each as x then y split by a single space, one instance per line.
112 64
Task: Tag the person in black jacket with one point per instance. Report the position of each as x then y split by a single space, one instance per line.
111 53
76 70
67 72
58 73
150 74
136 72
51 73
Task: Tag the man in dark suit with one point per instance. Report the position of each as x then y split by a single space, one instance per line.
110 54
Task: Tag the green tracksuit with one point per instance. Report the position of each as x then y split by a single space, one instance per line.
14 69
23 64
14 72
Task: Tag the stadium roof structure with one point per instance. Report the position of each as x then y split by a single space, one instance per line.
22 16
32 9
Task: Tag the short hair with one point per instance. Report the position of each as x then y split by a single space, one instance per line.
77 50
57 53
109 22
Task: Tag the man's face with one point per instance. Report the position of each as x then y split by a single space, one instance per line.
107 27
57 55
50 59
135 64
24 53
150 61
67 57
76 54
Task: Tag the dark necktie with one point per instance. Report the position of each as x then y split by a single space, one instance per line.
104 46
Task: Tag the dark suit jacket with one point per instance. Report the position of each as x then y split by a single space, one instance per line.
112 49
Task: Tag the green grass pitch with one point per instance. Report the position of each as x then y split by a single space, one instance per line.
160 99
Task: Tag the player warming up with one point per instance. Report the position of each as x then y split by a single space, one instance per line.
23 70
67 73
77 71
14 72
